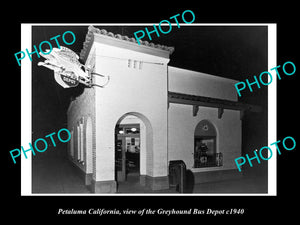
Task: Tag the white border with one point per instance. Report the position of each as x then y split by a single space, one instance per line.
26 113
272 109
26 129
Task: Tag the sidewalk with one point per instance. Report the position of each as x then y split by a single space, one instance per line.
245 185
57 175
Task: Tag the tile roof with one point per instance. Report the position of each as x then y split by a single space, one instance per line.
92 30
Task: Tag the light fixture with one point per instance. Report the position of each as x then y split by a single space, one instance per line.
133 129
121 132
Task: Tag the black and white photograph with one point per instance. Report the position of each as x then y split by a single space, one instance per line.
161 117
150 113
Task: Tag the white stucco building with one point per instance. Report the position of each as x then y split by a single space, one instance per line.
150 114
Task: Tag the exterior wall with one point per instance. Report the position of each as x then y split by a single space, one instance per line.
104 108
82 110
182 124
196 83
136 87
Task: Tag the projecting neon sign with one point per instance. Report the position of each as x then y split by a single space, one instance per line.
68 71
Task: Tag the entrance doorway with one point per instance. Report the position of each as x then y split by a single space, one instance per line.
133 151
127 151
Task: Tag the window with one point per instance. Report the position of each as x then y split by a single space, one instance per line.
78 142
81 143
80 153
205 149
72 144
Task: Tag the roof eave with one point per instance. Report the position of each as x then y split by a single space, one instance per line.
102 36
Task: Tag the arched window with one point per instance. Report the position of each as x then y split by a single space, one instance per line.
78 142
205 148
80 153
89 145
72 144
81 144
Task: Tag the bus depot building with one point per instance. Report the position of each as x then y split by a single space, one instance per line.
150 114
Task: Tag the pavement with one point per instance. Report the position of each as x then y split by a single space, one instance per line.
58 176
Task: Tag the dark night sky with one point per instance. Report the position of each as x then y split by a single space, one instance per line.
236 52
